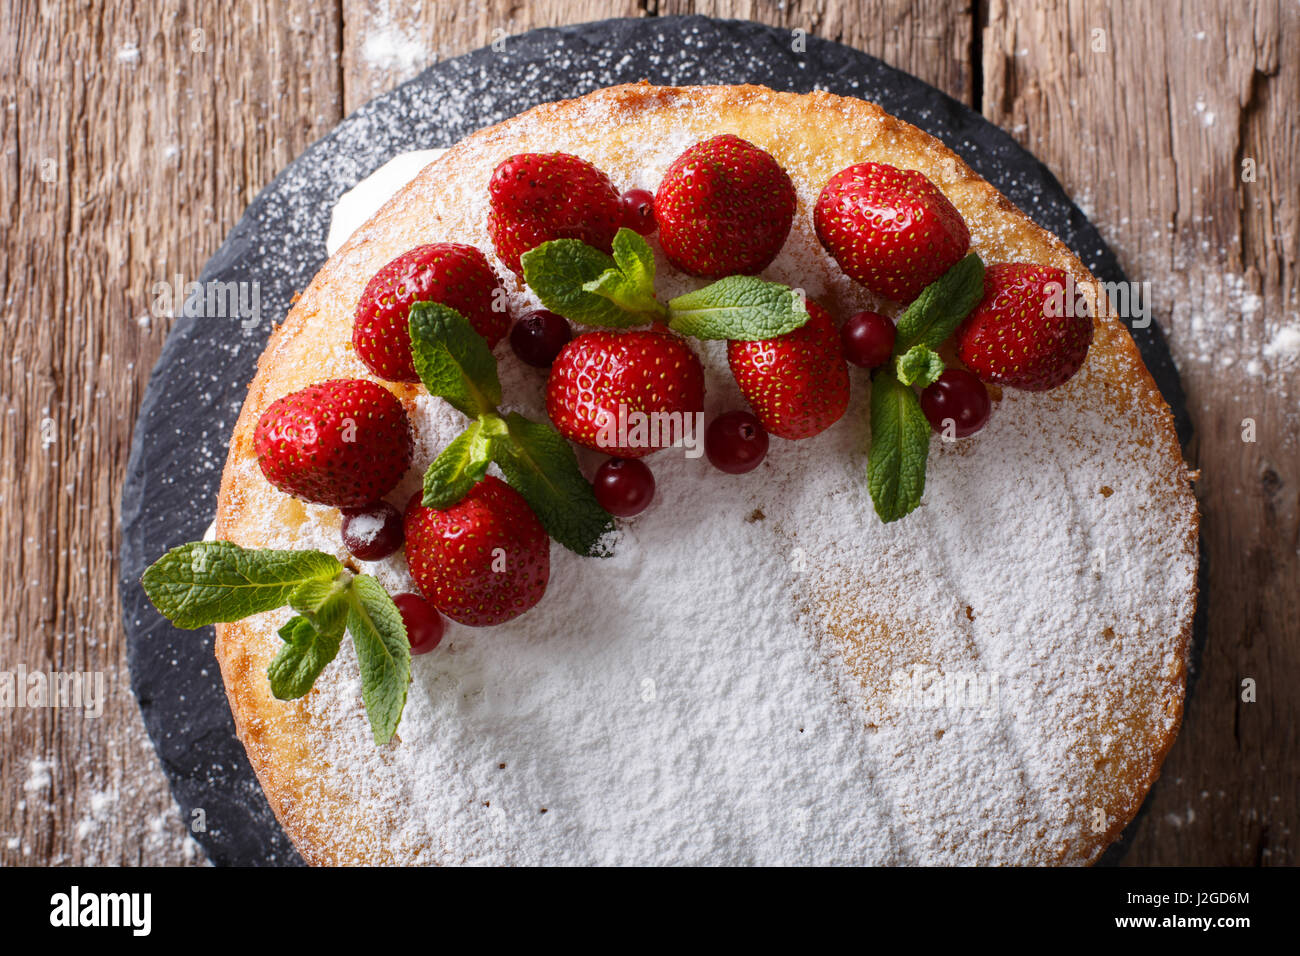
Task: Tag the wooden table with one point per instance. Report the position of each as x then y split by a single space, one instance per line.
133 139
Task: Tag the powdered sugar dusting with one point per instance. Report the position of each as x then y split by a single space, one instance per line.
764 673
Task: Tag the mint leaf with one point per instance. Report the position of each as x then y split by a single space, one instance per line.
323 602
738 307
559 270
463 463
306 652
452 359
383 653
630 285
542 467
920 366
635 259
900 444
938 310
205 582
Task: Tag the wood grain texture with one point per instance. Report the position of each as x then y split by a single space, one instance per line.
132 144
1147 123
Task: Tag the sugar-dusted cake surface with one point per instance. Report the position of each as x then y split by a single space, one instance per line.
763 673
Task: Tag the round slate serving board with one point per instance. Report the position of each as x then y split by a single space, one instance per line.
198 386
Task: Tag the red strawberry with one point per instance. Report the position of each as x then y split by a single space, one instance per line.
1016 336
454 274
797 384
724 208
345 442
890 229
537 197
484 560
645 372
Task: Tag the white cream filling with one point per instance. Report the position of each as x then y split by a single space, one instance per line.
364 199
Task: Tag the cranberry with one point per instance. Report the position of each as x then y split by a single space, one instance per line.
958 397
639 210
423 624
372 532
624 486
736 442
868 339
538 337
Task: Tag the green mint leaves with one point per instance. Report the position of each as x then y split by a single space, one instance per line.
584 284
206 582
738 307
900 443
900 432
533 457
541 466
920 366
383 653
452 359
463 463
589 287
306 652
938 310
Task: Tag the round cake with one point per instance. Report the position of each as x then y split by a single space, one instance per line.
762 672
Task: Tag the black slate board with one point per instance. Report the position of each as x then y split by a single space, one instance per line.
196 390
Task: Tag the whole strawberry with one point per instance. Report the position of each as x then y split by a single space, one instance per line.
482 561
890 229
724 208
605 389
345 442
451 273
797 384
537 197
1018 334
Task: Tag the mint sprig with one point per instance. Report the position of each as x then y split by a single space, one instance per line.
745 308
210 582
541 466
307 651
534 457
630 283
462 464
590 287
452 359
900 443
920 366
383 654
215 581
939 309
900 432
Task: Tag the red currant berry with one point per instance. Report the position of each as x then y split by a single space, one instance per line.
735 442
868 339
624 486
957 403
538 337
423 623
372 532
639 210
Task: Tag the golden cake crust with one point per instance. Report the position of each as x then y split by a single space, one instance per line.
817 133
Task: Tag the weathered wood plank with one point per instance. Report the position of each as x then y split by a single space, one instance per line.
1147 112
132 144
